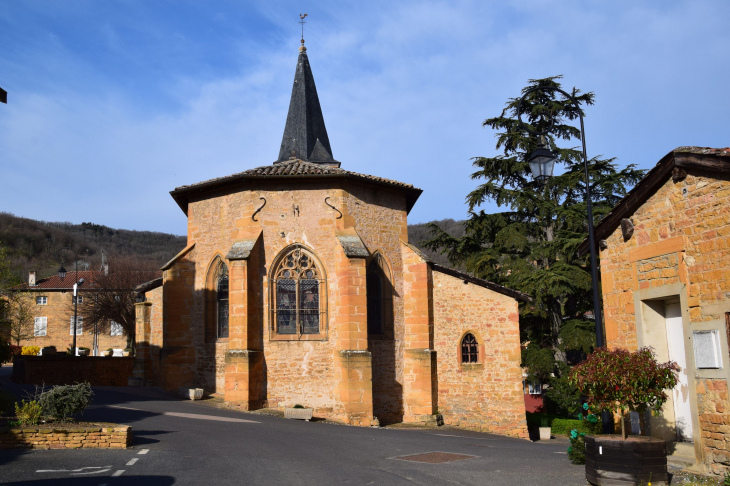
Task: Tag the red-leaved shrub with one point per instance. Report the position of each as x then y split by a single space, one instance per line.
620 381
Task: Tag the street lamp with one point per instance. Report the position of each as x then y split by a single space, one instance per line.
62 275
542 162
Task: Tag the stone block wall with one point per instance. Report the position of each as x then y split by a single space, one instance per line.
682 239
82 437
713 407
67 370
487 395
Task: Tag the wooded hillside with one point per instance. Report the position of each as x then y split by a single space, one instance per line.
32 245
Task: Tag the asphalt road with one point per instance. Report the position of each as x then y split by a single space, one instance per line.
182 442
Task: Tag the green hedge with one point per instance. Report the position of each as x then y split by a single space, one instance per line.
563 426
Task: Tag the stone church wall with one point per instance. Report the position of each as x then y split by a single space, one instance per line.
292 215
487 395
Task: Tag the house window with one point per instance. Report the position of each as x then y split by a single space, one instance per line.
79 326
222 303
469 349
40 327
298 284
534 388
116 329
379 298
41 300
78 299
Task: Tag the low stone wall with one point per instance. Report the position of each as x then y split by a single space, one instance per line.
117 437
67 370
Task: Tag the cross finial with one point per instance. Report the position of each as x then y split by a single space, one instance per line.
301 16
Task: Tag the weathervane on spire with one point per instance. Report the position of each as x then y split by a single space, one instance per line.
302 22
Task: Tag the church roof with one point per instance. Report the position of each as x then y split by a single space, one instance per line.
292 169
305 135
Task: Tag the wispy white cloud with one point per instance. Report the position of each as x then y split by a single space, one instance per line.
164 100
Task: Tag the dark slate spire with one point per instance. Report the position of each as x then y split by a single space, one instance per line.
305 136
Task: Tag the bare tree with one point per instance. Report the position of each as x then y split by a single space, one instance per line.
19 316
113 296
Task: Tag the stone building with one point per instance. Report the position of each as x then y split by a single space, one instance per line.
299 286
665 271
53 310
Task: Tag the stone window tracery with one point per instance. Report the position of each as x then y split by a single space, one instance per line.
298 285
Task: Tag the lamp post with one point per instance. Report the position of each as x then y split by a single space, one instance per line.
62 275
542 162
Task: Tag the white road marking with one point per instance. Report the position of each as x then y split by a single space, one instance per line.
118 473
71 470
191 415
143 451
132 461
91 472
559 452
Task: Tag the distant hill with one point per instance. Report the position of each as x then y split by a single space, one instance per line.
32 244
418 233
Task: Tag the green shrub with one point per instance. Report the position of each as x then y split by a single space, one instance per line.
561 397
6 351
577 449
28 413
726 479
7 402
297 406
63 402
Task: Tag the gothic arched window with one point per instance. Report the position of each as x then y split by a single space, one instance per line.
379 297
298 286
216 301
469 349
221 298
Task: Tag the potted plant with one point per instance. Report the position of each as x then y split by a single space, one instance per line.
83 351
127 352
108 352
620 381
298 412
545 429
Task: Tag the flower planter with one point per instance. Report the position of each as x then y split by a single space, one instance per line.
106 354
613 461
83 352
298 413
190 393
545 433
126 353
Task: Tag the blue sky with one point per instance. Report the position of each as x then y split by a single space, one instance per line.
112 104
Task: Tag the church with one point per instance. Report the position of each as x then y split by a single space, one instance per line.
298 286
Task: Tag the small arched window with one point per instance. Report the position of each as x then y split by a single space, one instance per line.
469 349
221 298
298 287
379 298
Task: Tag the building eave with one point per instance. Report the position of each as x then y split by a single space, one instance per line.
693 158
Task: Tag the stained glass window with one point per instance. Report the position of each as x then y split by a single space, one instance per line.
297 293
222 300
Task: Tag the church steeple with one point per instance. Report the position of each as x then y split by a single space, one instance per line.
305 136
